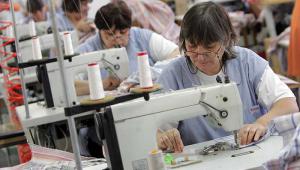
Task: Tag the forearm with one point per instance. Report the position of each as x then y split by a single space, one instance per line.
82 87
281 107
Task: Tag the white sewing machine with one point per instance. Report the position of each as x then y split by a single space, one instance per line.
115 59
130 128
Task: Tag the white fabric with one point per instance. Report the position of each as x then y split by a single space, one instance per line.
160 47
205 79
271 89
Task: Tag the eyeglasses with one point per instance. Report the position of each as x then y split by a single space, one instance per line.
206 55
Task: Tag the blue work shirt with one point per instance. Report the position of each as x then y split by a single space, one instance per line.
245 70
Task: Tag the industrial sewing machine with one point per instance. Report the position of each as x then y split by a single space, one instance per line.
129 129
114 60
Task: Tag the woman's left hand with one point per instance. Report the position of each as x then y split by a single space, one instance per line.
251 133
84 26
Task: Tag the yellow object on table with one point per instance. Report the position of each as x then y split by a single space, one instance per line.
138 89
88 102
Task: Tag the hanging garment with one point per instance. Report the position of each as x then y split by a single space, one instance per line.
293 51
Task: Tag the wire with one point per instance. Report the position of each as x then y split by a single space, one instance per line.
210 106
66 139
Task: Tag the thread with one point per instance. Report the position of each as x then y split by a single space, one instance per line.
144 70
32 30
95 82
68 46
155 160
36 48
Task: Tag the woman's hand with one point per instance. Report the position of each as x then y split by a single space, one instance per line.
84 26
251 133
169 140
111 83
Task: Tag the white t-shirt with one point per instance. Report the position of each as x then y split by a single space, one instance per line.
160 47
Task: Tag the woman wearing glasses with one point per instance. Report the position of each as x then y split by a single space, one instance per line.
207 40
113 22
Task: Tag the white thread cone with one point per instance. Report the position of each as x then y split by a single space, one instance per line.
36 48
144 70
155 160
32 31
95 82
68 46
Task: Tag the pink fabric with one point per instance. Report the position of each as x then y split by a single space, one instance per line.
155 15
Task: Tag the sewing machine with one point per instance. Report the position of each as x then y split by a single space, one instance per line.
115 60
46 41
129 129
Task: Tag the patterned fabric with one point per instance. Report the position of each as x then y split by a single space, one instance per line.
287 127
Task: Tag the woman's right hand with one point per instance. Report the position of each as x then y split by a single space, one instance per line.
169 140
111 83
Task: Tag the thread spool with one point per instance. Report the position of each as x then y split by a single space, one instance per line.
95 82
36 48
144 70
155 160
68 46
32 30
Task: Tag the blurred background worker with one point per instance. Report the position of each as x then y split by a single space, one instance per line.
74 16
38 10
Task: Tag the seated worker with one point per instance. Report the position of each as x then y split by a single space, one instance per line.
114 25
74 16
37 9
207 39
114 30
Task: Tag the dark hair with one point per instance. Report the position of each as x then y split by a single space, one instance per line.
115 14
71 5
34 6
207 23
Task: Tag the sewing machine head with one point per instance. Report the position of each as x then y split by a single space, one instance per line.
130 128
116 60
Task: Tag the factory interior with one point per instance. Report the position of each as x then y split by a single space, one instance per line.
149 84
